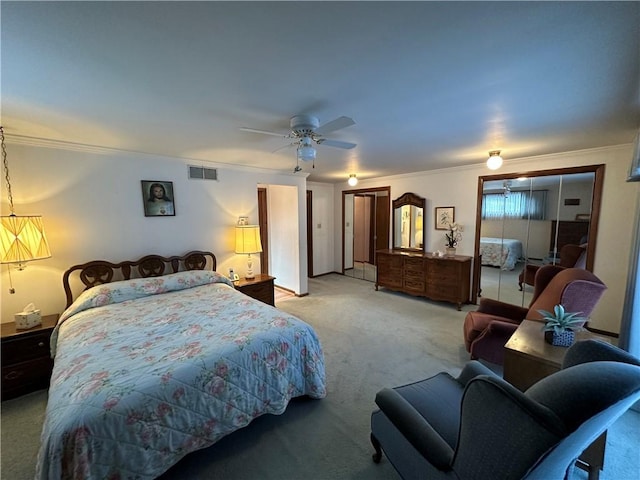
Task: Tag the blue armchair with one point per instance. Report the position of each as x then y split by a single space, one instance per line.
478 426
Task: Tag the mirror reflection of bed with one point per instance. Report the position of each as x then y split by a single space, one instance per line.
525 222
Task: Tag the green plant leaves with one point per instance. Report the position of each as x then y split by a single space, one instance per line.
559 320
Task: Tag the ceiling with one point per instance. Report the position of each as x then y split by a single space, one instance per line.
429 84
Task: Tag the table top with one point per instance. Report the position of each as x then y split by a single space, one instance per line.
528 340
9 328
259 278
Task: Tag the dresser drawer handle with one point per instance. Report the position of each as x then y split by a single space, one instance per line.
41 344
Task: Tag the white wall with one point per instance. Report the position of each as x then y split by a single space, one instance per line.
458 187
91 202
323 227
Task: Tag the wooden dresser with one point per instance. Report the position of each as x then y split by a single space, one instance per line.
422 274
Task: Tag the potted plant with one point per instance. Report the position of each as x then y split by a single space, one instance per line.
560 326
453 236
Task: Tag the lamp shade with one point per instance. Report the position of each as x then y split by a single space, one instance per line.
248 239
306 153
22 239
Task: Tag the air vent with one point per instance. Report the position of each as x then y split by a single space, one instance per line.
202 173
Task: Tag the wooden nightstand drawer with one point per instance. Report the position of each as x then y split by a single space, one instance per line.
261 288
19 348
25 377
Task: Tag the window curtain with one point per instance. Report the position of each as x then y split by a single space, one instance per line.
523 205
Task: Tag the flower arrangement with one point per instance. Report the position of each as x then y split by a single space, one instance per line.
453 235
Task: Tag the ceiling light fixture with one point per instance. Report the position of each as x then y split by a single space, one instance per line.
22 237
353 180
305 151
494 161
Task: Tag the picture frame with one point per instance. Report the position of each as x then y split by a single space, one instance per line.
444 216
634 169
158 199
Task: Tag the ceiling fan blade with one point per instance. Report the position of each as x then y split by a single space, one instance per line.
337 124
294 144
336 143
264 132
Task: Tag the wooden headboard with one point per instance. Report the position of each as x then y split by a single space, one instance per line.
98 272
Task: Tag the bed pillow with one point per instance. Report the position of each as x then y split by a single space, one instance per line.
116 292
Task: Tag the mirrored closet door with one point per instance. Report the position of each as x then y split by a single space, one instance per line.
365 229
532 219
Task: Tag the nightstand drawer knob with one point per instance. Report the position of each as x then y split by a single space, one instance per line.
41 344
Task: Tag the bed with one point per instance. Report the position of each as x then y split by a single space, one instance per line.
147 370
500 252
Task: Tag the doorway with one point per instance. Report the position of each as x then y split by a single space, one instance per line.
365 229
263 222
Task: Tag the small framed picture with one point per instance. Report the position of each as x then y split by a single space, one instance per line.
157 198
444 216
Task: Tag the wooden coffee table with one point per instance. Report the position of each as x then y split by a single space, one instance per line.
528 358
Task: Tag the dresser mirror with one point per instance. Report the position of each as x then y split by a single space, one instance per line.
525 220
408 222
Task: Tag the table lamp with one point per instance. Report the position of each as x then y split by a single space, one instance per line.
248 241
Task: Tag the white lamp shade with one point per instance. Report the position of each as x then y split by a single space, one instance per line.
22 239
353 180
306 153
248 239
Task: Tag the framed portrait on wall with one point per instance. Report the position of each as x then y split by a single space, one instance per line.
158 199
444 216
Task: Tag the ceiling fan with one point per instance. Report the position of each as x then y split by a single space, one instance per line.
306 130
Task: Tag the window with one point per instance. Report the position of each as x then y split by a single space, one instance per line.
515 204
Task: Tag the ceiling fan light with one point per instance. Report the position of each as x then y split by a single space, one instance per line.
353 180
306 153
494 161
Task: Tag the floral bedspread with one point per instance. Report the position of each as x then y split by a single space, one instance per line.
500 252
148 370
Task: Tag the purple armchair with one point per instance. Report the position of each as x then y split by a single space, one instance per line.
570 256
488 329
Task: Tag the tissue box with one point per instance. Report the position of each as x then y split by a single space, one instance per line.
25 320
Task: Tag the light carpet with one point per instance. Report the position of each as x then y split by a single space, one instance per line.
371 340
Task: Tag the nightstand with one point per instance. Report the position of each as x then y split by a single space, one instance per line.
261 288
26 357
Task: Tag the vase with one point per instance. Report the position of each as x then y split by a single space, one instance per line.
564 339
450 251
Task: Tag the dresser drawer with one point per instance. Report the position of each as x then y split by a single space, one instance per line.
446 292
389 261
414 286
25 347
413 266
390 279
442 279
